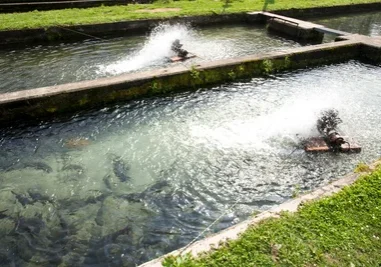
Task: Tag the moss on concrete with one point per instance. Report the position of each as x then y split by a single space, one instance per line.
191 79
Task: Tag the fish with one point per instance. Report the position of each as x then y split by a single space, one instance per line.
99 218
30 225
107 182
2 215
150 191
38 166
34 165
74 167
24 200
35 195
120 169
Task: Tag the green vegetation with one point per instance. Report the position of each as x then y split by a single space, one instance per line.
195 74
103 14
362 167
341 230
268 66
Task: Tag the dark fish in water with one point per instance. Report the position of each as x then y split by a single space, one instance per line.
34 165
155 188
24 200
73 167
96 198
2 215
38 166
107 182
93 257
99 217
120 169
35 195
29 225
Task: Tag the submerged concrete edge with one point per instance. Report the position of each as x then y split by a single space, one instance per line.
214 241
48 102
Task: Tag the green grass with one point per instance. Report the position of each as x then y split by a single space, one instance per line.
36 19
341 230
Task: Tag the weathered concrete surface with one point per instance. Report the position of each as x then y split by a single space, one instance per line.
370 49
214 241
48 34
300 29
10 37
70 98
297 29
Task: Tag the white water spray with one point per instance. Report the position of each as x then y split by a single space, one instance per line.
291 122
155 51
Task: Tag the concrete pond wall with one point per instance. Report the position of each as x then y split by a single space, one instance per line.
49 34
70 98
66 99
48 102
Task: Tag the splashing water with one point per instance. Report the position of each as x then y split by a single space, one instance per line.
292 121
155 51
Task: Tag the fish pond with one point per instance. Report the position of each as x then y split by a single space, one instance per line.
362 23
45 65
128 183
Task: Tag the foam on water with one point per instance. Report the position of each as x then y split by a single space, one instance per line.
155 51
292 121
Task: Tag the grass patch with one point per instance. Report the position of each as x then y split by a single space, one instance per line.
103 14
341 230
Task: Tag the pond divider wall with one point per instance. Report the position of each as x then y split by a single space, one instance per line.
370 49
53 101
64 99
55 33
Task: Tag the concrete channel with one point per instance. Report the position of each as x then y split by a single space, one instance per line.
53 101
49 34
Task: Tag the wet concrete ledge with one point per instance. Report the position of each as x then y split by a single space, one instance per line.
370 49
49 102
56 33
232 233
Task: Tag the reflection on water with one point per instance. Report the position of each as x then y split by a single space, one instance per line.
363 23
57 64
126 184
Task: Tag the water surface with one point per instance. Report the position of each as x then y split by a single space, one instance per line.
126 184
362 23
39 66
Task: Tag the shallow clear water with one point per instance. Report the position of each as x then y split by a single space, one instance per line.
126 184
363 23
40 66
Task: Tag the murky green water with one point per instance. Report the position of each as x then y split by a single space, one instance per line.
363 23
40 66
123 185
